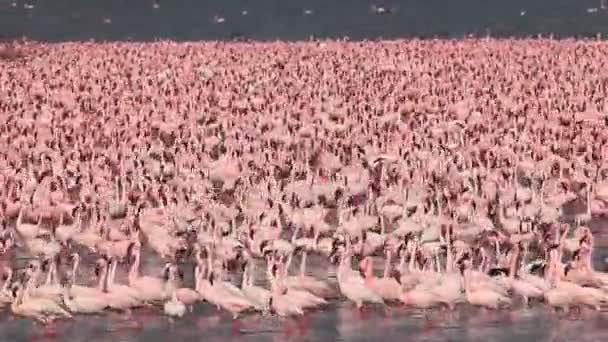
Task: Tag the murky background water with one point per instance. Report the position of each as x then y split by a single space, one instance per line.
292 19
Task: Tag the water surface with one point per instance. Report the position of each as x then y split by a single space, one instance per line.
292 19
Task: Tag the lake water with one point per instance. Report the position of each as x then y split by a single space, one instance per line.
291 19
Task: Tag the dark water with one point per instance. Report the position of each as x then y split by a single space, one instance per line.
339 323
296 19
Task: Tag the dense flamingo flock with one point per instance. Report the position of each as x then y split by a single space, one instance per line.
447 162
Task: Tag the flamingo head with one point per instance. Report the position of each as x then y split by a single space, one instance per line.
211 277
167 272
402 248
537 267
336 247
99 265
244 265
203 253
74 257
132 249
365 263
464 261
45 265
274 269
396 274
33 265
66 281
498 271
585 240
181 253
266 252
24 276
551 247
15 289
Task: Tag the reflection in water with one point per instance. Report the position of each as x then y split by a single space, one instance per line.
338 322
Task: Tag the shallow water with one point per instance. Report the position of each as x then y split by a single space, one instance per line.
337 322
280 19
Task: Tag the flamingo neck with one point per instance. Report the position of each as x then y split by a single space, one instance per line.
343 265
387 264
553 275
244 280
66 295
589 189
412 259
402 261
112 275
368 271
482 265
466 277
19 300
303 263
288 263
585 253
75 268
29 285
202 274
251 273
209 265
20 217
49 275
103 277
134 271
449 262
513 263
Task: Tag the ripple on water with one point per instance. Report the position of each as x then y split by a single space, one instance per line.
339 321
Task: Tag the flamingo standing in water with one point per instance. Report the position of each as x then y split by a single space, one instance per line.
147 288
484 297
173 307
388 288
493 161
352 285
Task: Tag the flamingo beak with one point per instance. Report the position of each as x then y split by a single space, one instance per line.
97 270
